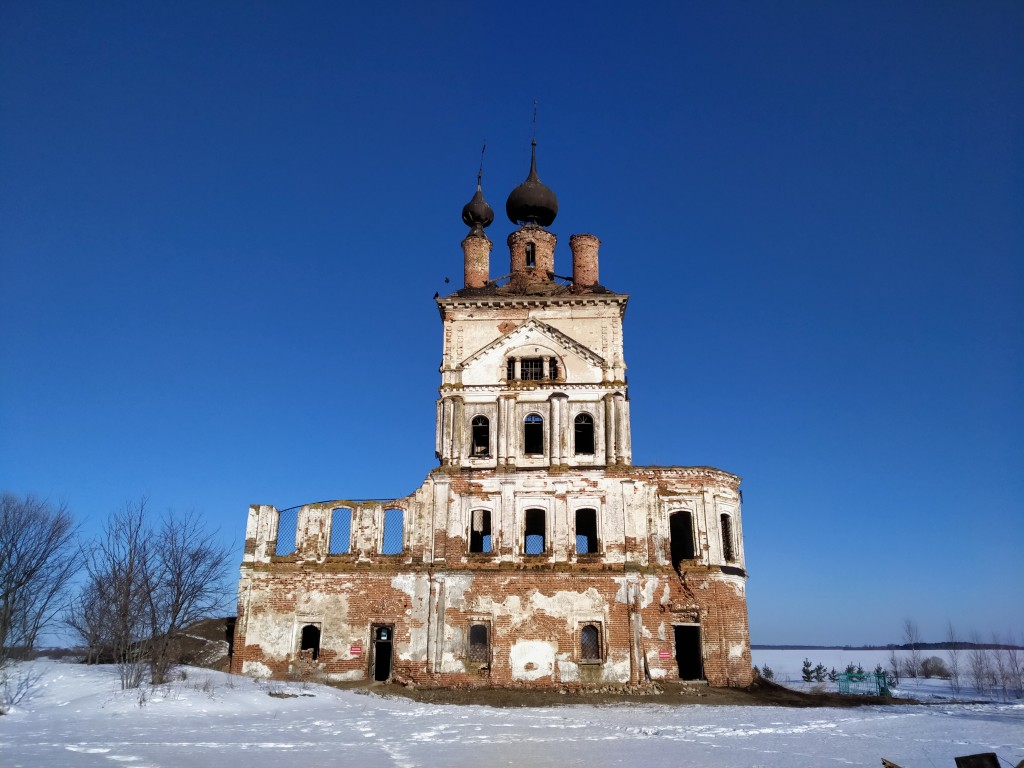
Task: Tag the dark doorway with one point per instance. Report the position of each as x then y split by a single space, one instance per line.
681 532
688 653
383 642
309 647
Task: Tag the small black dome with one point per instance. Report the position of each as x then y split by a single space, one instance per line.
532 202
477 213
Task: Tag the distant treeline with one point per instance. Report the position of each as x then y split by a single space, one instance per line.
947 646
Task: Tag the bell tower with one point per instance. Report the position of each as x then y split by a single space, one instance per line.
532 371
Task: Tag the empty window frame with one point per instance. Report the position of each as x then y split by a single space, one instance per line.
586 531
480 531
681 532
728 552
510 368
590 643
583 432
533 435
553 369
287 528
392 539
534 532
481 436
531 369
341 532
531 254
309 643
479 646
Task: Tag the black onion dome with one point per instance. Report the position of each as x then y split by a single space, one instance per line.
532 202
477 213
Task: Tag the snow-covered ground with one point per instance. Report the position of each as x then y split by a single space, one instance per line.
77 716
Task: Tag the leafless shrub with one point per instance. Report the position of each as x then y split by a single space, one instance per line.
16 684
895 666
934 666
37 562
953 655
1015 667
978 666
912 638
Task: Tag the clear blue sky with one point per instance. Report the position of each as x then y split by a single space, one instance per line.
221 226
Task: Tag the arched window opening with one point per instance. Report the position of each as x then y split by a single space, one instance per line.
481 444
287 529
535 532
681 531
392 540
309 644
727 548
586 531
480 531
479 647
533 435
583 428
531 255
590 643
341 532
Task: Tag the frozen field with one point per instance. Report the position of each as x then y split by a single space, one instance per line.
77 716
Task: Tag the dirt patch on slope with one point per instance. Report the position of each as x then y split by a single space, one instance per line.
761 693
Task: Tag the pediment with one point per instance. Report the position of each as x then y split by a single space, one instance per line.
539 334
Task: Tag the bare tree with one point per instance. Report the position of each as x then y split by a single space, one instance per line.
115 599
1015 664
978 665
38 559
953 654
912 637
145 586
187 568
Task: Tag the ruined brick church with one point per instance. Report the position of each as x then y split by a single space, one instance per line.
536 552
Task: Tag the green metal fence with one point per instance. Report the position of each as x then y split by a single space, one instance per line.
865 683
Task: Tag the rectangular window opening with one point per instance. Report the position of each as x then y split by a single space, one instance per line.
535 532
727 548
479 644
392 540
531 369
287 530
341 532
586 531
590 643
480 531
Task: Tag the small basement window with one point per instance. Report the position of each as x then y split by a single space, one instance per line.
586 531
533 435
590 644
535 532
481 445
480 531
479 645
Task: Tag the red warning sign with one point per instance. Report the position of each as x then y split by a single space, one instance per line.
355 650
664 654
